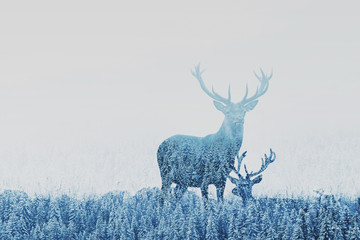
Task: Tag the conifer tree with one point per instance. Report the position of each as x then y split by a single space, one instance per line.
101 229
2 228
354 231
22 227
211 231
283 224
126 232
42 211
265 223
53 229
221 221
298 233
233 233
338 234
311 222
271 234
37 233
28 215
191 231
144 226
11 226
161 230
345 221
134 226
288 233
115 232
71 232
54 211
326 230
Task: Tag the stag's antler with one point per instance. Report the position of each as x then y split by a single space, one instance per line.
264 85
239 160
197 73
265 163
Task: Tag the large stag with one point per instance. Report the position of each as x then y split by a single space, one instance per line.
190 161
244 185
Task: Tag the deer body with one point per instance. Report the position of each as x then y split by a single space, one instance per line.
190 161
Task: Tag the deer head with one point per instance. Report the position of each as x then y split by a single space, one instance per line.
244 185
234 112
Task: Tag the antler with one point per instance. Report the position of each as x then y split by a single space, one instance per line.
264 164
264 85
239 160
197 73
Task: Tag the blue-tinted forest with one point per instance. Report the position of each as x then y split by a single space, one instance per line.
122 216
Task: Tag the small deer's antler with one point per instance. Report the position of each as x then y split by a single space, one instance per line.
265 163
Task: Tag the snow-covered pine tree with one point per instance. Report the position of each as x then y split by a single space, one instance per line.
354 231
338 234
271 234
101 229
211 230
264 224
144 226
283 223
162 228
345 220
233 232
54 230
37 233
54 211
191 231
11 230
71 231
298 233
326 231
288 232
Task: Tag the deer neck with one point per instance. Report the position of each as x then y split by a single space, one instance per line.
231 132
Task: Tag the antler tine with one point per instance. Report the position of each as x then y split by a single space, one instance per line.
260 90
272 156
246 171
270 76
197 74
229 94
246 93
239 160
264 164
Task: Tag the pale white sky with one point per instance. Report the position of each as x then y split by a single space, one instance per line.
75 72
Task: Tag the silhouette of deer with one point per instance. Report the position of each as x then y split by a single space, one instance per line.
244 185
190 161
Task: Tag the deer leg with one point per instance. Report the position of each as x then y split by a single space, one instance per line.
166 184
220 193
179 191
204 194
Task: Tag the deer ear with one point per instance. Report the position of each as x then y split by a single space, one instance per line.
233 180
250 106
257 179
219 106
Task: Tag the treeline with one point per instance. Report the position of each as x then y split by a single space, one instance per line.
121 216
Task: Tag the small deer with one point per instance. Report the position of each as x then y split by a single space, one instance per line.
190 161
244 185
